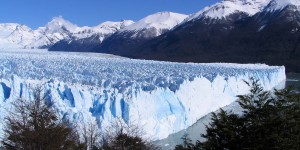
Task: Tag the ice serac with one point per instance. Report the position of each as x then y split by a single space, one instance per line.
161 97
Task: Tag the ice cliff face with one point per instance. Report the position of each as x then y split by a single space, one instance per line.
161 97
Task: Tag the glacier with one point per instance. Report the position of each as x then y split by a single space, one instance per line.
161 97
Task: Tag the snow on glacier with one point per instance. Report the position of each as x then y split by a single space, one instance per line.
162 97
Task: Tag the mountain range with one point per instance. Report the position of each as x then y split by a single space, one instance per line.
13 35
239 31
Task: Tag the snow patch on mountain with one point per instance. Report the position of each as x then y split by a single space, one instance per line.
162 97
12 34
160 21
281 4
6 29
225 8
111 27
59 24
103 30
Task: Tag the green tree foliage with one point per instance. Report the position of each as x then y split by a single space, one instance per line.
187 144
224 131
270 120
32 125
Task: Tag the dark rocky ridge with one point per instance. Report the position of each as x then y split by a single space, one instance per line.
267 37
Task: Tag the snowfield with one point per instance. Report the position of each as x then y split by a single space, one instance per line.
162 97
224 8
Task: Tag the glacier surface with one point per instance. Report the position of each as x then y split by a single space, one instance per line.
162 97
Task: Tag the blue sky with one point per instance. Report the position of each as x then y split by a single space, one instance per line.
35 13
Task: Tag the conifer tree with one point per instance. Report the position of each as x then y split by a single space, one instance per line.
270 120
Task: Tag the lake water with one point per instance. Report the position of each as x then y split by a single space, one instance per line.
293 79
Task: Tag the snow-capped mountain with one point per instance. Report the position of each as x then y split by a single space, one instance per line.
60 34
14 35
23 37
56 30
225 8
240 31
59 29
87 38
128 37
59 25
153 25
276 5
125 41
7 28
104 29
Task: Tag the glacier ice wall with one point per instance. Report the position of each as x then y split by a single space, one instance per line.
162 97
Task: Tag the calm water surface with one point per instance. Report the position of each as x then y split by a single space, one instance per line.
293 79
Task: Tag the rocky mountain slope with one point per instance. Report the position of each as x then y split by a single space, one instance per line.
238 31
271 35
126 38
